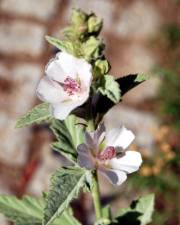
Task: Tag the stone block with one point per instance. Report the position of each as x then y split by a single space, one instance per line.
23 79
20 37
14 142
41 180
145 91
130 57
41 9
141 123
15 102
140 19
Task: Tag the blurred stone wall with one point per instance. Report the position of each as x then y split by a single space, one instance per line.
129 26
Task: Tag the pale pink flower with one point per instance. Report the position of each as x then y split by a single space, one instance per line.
66 84
105 151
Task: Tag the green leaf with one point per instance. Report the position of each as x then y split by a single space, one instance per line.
106 216
66 218
130 81
100 68
69 134
72 47
29 211
106 212
38 114
88 183
66 184
62 45
126 83
57 146
110 88
140 211
92 48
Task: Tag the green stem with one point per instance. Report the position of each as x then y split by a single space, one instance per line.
90 125
96 196
95 186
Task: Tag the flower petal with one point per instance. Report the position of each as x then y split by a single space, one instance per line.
129 163
55 71
68 63
89 139
62 109
93 139
116 177
49 91
84 71
119 137
84 157
99 134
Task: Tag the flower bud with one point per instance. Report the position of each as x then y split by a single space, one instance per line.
101 67
94 24
78 17
92 48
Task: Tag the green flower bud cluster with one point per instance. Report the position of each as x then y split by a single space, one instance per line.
83 25
84 30
81 40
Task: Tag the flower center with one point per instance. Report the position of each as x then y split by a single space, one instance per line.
107 154
71 86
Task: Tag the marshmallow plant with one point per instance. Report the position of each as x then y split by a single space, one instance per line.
77 90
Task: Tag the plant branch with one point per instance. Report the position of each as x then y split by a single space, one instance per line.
96 196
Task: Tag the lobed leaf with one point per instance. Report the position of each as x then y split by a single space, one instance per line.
57 146
72 47
140 212
126 83
66 218
92 48
38 114
57 43
130 81
110 88
66 184
26 211
106 216
29 211
69 134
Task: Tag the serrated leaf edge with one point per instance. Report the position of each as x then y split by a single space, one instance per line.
64 205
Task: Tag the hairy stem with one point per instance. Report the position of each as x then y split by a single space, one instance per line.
96 196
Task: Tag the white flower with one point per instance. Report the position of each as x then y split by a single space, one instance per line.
66 84
105 151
